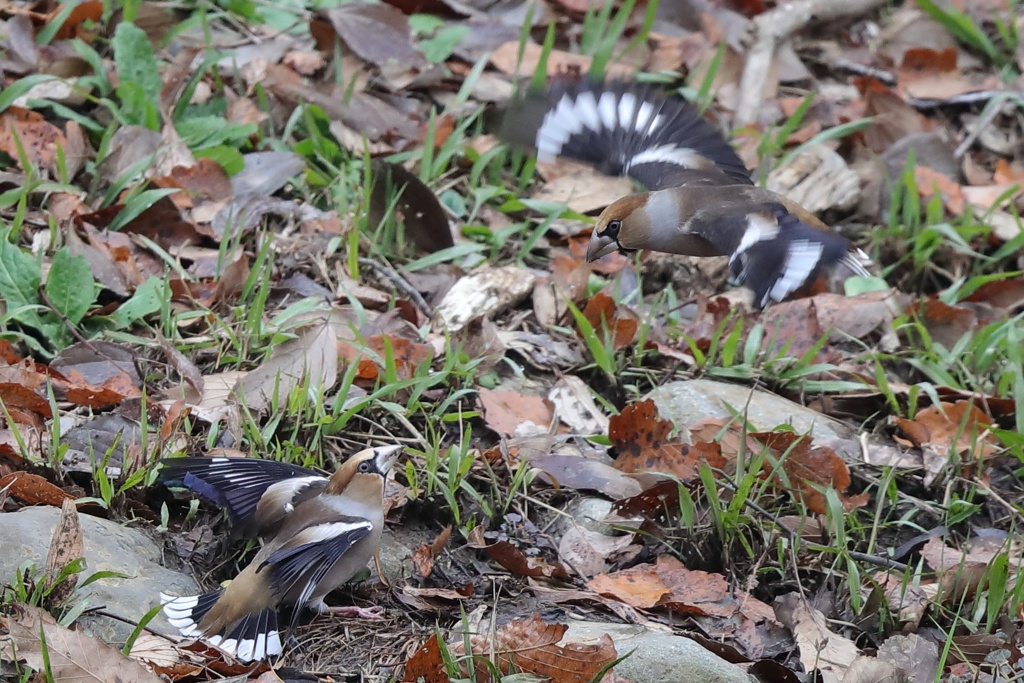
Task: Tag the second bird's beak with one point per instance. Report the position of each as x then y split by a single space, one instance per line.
599 246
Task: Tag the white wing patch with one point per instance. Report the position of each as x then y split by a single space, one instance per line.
857 261
627 107
644 116
759 229
667 154
607 108
324 532
803 258
586 109
287 489
560 124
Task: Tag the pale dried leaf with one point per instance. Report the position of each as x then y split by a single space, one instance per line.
312 357
575 406
73 655
484 292
66 546
821 650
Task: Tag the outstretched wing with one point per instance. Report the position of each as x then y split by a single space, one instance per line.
772 251
623 128
302 564
257 493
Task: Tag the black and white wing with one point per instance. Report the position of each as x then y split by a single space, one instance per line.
258 494
298 568
623 128
773 252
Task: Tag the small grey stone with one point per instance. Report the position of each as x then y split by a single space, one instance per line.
586 511
686 402
658 657
25 539
393 558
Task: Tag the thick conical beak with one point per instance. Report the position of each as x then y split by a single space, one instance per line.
384 457
599 246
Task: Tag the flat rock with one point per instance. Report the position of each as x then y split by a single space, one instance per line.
587 511
688 401
659 656
109 547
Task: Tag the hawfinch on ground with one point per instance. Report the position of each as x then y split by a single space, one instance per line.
701 200
317 532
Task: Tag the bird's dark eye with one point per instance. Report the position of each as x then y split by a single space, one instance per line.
364 466
612 229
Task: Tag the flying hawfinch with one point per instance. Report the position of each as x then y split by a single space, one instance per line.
701 200
318 532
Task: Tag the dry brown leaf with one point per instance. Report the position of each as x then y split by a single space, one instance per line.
509 412
397 192
71 655
424 556
372 356
821 650
670 585
377 33
604 314
66 546
530 645
644 445
311 357
29 131
950 427
808 470
166 658
33 489
513 559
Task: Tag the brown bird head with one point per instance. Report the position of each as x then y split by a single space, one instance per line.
367 470
623 223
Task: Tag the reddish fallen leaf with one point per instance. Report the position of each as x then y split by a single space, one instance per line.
932 183
33 489
7 352
426 664
660 501
111 392
644 444
513 559
809 470
372 356
670 585
604 314
34 135
530 646
18 396
950 427
72 27
425 555
505 411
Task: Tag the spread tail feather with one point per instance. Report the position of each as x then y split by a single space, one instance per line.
254 636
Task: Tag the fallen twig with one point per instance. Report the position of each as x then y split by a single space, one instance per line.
777 25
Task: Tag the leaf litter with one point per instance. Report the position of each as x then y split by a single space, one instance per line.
191 218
